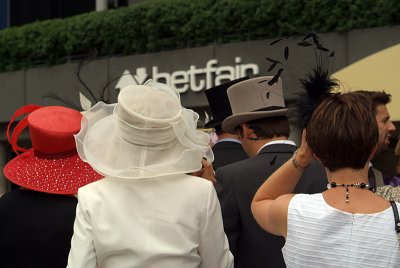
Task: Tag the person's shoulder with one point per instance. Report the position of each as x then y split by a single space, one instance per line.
94 186
302 197
303 201
230 168
195 180
20 193
244 163
9 196
183 182
241 172
227 144
389 192
259 159
195 187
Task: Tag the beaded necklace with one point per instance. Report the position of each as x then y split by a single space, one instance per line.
357 185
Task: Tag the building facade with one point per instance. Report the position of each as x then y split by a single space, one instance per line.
190 71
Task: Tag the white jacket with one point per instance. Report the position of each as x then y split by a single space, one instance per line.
165 222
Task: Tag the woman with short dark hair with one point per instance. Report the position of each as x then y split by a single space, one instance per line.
347 225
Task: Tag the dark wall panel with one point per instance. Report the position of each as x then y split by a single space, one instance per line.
26 11
3 14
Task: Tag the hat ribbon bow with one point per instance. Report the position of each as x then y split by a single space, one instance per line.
13 138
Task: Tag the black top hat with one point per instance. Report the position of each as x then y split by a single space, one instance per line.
219 102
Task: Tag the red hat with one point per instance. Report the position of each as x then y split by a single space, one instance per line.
52 165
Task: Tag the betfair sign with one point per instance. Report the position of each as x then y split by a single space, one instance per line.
195 78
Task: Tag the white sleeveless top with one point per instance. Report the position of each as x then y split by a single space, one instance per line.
322 236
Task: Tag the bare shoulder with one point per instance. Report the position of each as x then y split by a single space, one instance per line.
281 204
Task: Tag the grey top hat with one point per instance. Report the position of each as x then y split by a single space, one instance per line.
254 99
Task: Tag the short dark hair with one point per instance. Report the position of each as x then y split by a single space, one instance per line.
343 131
269 127
377 98
218 130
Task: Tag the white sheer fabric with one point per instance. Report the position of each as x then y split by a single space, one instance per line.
146 134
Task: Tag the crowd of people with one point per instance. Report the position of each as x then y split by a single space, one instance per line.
136 184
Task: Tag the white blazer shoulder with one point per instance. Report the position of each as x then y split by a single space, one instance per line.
171 221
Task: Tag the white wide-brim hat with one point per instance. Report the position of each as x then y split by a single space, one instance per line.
146 134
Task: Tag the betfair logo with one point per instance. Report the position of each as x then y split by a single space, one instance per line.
194 78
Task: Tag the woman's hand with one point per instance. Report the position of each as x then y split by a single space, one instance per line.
206 172
304 155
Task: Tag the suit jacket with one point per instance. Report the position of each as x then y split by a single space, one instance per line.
227 152
375 177
172 221
236 186
35 229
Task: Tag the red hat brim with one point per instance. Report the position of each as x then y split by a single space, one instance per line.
63 175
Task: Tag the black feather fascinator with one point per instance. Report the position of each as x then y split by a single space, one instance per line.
315 85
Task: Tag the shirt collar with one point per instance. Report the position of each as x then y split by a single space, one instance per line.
277 142
229 139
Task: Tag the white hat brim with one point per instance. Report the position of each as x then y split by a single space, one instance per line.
110 155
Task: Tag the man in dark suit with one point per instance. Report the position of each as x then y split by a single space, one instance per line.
228 148
379 100
260 119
